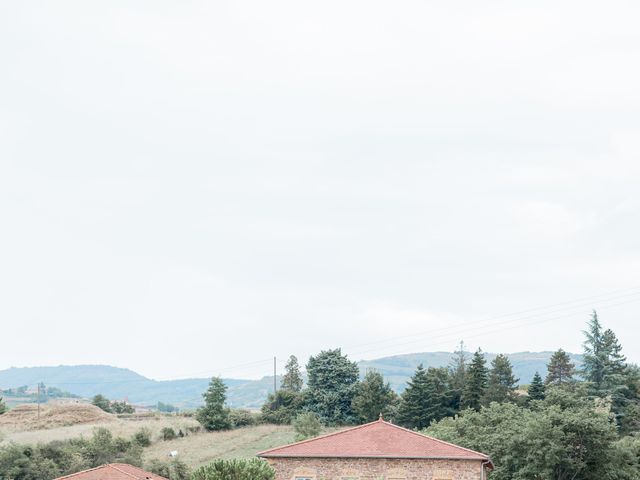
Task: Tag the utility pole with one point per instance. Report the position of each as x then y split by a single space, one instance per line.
275 388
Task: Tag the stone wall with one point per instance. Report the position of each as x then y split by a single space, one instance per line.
375 469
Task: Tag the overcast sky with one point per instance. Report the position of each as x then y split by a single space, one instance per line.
189 186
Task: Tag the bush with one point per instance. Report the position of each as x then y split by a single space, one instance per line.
243 418
142 437
253 469
282 407
307 425
168 433
173 470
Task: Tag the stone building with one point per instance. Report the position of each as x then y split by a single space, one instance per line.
376 451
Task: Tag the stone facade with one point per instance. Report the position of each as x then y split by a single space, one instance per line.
376 469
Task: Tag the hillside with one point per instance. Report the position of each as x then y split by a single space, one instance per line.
118 383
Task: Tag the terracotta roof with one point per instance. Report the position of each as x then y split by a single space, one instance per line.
113 471
378 439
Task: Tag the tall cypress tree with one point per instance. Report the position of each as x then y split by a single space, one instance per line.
536 389
414 406
292 379
476 382
560 369
502 384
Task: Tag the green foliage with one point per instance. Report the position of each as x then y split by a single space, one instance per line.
331 386
307 425
253 469
58 458
214 415
173 470
501 386
121 407
282 407
168 433
427 398
560 369
475 382
142 437
548 441
3 406
102 402
373 398
292 379
167 408
457 376
243 418
536 389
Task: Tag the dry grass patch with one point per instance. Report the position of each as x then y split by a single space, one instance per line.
25 417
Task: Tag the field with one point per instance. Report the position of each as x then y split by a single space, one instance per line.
195 449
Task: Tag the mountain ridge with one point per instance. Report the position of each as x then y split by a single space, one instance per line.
119 383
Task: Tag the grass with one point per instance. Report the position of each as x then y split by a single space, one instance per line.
195 449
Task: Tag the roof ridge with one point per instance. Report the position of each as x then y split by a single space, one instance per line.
436 439
326 435
82 471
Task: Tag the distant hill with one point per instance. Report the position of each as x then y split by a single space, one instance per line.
399 368
119 383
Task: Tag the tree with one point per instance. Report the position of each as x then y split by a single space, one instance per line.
3 406
173 470
331 386
536 389
560 369
307 425
214 415
457 374
292 379
412 412
476 382
121 407
102 402
501 386
595 356
549 441
237 469
373 398
282 407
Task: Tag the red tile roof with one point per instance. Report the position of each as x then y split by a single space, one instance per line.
378 439
113 471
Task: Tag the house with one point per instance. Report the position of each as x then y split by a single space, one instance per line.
113 471
376 451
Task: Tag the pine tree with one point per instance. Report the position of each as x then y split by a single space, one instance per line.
502 385
214 415
476 382
560 369
439 394
292 379
413 410
457 373
373 398
595 356
536 389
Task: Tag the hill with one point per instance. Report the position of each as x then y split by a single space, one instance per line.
119 383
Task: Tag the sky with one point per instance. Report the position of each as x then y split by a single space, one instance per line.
191 188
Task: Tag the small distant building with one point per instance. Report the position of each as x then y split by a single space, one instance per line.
113 471
377 450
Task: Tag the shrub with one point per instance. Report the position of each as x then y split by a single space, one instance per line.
173 470
168 433
252 469
142 437
243 418
307 425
